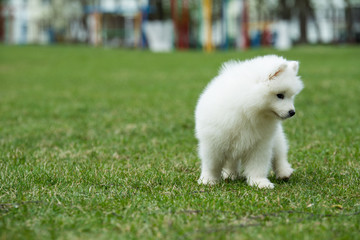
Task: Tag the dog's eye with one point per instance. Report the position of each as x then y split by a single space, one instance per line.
280 95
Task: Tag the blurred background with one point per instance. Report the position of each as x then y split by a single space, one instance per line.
165 25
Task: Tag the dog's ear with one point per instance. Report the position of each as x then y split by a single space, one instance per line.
278 71
294 65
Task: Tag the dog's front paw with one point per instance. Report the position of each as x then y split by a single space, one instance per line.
208 180
284 173
260 183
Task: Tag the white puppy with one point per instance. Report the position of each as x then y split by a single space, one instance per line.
238 120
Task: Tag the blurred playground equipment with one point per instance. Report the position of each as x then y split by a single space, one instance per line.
164 25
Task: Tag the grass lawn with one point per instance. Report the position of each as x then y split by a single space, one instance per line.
99 144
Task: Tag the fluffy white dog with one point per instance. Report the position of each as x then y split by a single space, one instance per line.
238 120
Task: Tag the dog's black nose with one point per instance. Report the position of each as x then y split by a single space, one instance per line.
291 113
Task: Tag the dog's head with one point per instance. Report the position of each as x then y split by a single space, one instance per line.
283 85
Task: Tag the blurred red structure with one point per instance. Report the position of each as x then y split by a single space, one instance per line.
181 20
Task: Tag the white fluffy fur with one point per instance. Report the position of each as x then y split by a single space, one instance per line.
238 120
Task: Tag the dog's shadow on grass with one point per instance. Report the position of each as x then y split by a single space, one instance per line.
292 181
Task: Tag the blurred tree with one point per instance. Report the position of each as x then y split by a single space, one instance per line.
349 21
156 10
84 4
2 22
284 10
306 11
303 6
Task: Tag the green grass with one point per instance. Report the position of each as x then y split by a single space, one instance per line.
99 144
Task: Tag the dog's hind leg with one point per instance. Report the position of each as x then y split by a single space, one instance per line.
212 163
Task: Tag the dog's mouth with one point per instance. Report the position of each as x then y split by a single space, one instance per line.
281 117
